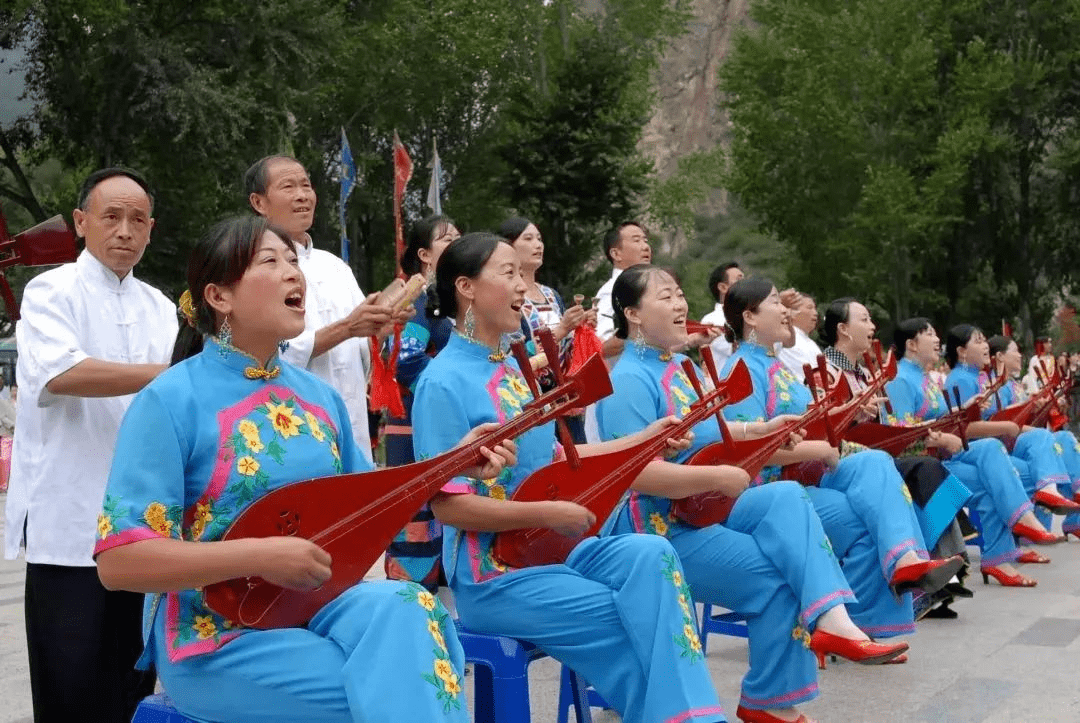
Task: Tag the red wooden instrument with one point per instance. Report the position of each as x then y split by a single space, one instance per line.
841 416
49 242
600 481
355 516
710 508
696 327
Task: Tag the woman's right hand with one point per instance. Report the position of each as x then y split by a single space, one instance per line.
571 319
566 518
293 563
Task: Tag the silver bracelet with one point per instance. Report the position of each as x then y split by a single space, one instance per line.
744 427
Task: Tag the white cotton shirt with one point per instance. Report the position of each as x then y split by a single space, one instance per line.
720 346
605 312
805 351
64 445
332 294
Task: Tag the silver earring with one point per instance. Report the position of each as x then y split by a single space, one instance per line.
752 337
224 337
282 346
639 343
468 325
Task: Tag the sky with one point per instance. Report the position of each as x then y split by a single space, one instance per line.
12 82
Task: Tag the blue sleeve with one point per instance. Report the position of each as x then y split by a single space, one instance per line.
412 356
352 459
968 387
751 409
442 425
904 403
630 409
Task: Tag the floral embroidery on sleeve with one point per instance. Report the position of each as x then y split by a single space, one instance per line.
687 638
163 519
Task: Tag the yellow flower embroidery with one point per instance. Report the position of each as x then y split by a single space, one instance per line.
202 516
497 492
452 686
248 429
334 450
1057 448
285 422
691 635
658 524
155 517
104 526
785 397
254 444
509 398
247 466
436 633
313 425
443 670
426 600
676 578
907 493
204 626
517 387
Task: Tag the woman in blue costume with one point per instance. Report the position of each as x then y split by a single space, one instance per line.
862 501
1034 452
617 610
985 468
848 331
1006 357
544 307
416 553
225 425
770 561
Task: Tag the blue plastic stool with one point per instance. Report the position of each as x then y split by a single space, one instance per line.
729 623
975 539
575 692
158 708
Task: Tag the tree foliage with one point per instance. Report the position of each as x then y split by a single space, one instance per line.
918 155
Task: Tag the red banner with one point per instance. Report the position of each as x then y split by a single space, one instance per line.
402 174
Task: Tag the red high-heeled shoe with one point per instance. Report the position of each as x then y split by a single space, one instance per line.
1074 533
1032 557
748 715
898 660
928 575
998 574
1039 537
866 652
1055 503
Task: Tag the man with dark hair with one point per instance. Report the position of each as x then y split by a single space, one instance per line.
338 318
624 246
90 336
720 280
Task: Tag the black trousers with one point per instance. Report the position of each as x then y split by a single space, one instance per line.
83 642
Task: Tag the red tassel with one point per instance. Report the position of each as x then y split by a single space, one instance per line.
586 343
385 392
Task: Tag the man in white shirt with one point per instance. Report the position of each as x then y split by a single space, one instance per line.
334 345
804 319
91 335
720 280
625 245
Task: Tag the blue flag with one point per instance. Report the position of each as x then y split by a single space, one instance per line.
347 177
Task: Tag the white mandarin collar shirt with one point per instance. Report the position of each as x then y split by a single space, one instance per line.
332 294
605 312
720 346
805 351
64 445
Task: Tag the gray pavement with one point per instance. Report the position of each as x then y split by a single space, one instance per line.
1011 656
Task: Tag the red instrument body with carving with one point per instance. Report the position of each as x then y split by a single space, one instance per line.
710 508
599 482
355 516
49 242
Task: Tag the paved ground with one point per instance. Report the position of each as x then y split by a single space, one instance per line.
1012 656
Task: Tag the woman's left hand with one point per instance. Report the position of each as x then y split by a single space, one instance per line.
674 444
499 457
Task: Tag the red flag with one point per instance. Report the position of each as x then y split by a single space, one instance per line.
402 174
1006 328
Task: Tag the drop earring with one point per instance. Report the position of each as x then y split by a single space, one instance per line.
639 343
752 337
468 325
224 337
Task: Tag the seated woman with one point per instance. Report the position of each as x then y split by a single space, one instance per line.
770 561
616 610
1040 465
225 425
937 494
416 553
997 493
1005 355
544 307
861 500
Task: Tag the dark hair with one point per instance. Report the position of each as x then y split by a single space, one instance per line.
957 337
421 235
256 177
907 330
513 227
220 257
744 295
465 256
105 174
719 275
999 344
837 313
611 239
627 291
